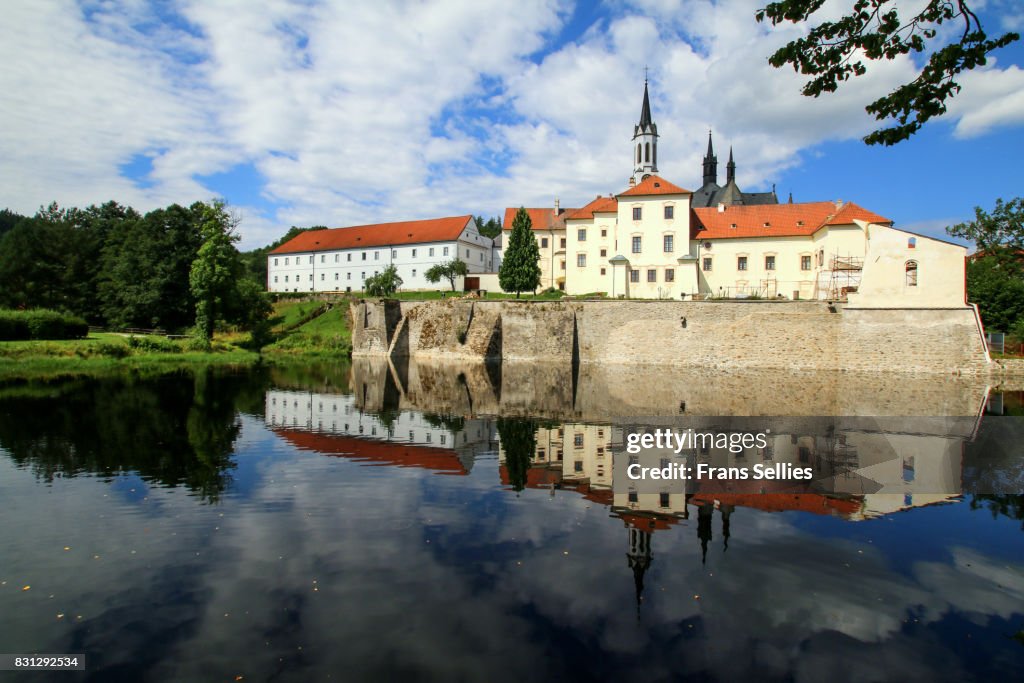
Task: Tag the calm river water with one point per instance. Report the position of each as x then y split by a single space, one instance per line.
373 522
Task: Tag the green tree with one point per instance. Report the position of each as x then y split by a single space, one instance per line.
833 51
998 291
489 228
384 283
216 269
999 234
448 270
520 269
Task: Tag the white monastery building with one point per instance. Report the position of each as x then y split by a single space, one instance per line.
341 259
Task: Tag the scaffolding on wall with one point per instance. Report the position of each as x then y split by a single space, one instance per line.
842 277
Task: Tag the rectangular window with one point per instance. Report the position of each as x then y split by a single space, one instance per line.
603 271
414 253
652 275
337 257
467 253
563 265
336 276
581 235
310 258
323 258
348 276
323 277
362 275
481 255
670 275
311 277
275 262
604 233
414 272
394 253
364 255
707 263
663 500
637 245
348 257
562 242
275 278
581 260
544 242
741 263
670 212
376 256
577 440
431 252
670 243
637 212
769 263
286 260
604 253
634 275
805 262
286 278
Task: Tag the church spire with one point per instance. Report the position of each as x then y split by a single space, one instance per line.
645 111
710 164
730 169
645 142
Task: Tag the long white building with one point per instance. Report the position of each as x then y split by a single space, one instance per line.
341 259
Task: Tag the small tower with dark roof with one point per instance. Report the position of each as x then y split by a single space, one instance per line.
730 169
645 142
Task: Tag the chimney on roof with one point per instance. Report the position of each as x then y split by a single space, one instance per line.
839 204
556 206
721 207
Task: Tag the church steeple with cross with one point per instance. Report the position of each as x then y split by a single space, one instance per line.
645 141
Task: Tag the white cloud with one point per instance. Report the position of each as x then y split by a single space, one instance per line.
357 113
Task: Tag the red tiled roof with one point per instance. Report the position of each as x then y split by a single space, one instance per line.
380 235
442 460
652 186
815 503
783 220
542 219
599 205
649 521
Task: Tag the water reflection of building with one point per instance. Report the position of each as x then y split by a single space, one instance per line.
333 424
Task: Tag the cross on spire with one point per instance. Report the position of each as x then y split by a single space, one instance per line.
645 74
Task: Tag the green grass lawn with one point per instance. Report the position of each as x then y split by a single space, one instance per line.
288 313
328 333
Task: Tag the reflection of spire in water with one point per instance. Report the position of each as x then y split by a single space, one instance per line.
726 511
704 515
639 557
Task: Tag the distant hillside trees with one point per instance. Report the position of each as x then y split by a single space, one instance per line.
116 267
489 228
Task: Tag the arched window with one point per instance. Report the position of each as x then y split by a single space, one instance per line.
647 151
912 243
911 273
638 159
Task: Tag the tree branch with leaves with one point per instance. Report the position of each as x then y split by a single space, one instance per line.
833 51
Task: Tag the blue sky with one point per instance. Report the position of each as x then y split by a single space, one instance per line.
305 112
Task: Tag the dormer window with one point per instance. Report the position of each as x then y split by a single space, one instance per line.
767 224
732 225
800 223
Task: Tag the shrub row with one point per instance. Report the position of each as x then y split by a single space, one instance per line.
41 323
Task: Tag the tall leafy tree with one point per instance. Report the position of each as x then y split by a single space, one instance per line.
216 269
832 51
999 234
520 269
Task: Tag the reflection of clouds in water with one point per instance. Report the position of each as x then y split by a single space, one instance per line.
974 585
332 557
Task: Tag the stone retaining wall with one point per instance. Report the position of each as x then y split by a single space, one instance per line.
698 334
